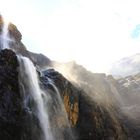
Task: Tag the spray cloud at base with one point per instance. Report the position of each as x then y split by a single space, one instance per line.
123 93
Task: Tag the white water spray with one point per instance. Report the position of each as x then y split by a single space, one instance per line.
29 78
60 103
5 36
60 112
5 39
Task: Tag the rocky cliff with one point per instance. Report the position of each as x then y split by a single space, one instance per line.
10 98
89 119
120 94
17 46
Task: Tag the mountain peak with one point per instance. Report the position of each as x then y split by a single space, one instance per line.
126 66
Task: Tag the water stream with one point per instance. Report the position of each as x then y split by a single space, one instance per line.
29 79
5 36
48 117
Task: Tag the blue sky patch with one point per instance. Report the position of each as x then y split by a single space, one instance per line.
136 32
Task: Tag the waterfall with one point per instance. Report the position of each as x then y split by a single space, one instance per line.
60 112
45 107
5 39
29 79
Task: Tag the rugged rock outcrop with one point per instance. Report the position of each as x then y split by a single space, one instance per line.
16 121
88 118
122 93
10 98
15 43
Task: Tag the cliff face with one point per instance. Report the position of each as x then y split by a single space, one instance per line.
122 94
10 98
16 121
88 119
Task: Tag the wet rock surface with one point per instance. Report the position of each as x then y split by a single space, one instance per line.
16 121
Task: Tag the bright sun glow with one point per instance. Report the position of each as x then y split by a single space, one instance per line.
94 33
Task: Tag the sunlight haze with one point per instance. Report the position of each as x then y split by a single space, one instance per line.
94 33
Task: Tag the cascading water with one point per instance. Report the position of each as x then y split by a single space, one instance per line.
47 118
49 108
64 128
29 79
5 36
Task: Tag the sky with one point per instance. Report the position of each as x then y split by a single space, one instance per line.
94 33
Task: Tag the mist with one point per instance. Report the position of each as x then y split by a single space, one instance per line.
121 94
94 35
94 84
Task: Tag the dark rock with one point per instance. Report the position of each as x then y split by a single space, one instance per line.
40 60
10 98
16 121
88 119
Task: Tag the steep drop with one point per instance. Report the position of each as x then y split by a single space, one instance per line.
33 93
